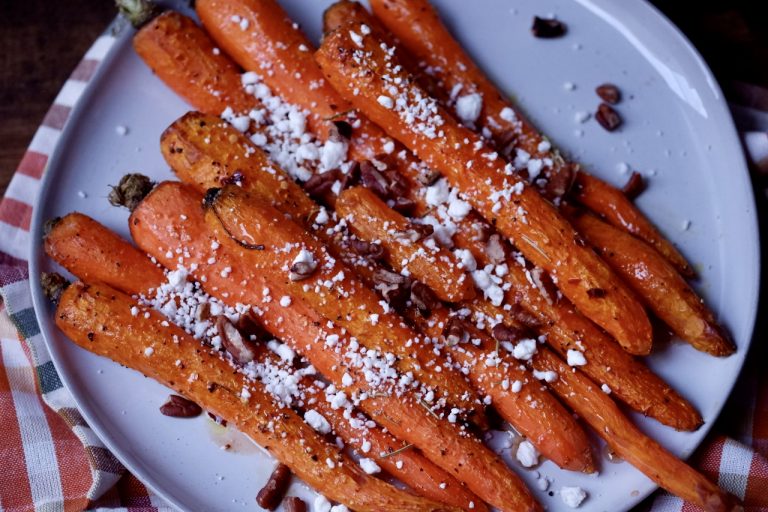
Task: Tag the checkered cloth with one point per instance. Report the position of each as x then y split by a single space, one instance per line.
52 460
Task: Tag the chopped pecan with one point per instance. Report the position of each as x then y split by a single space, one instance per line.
398 185
217 419
203 312
560 182
455 332
416 232
294 504
179 407
502 332
525 317
507 141
301 270
273 492
373 179
607 117
547 28
609 93
634 186
404 206
233 341
395 288
319 186
423 298
366 249
428 177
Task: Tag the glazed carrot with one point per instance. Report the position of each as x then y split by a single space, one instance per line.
606 363
616 208
157 227
333 291
549 426
186 59
371 219
626 440
518 211
98 318
94 253
405 463
656 280
418 27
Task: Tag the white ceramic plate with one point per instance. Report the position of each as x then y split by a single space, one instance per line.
677 130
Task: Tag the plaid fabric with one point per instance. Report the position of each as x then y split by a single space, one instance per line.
54 461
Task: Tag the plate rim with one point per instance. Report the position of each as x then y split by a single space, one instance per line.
123 31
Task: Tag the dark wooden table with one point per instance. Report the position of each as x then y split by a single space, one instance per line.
41 42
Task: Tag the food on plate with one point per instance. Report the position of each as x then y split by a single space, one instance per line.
347 254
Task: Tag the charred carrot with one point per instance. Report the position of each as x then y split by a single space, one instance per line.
371 219
157 227
418 27
657 281
502 197
99 319
186 59
626 440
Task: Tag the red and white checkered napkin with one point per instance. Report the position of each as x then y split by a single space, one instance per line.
52 460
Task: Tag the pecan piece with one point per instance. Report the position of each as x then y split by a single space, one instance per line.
404 206
416 232
366 249
319 186
236 178
525 317
607 117
179 407
270 496
233 341
455 332
609 93
395 288
547 28
635 185
373 179
294 504
501 332
343 129
423 298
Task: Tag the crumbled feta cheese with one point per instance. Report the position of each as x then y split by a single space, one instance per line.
572 496
317 421
385 101
508 115
576 358
546 376
606 389
369 466
468 107
285 301
527 454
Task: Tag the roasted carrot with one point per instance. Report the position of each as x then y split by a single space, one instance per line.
616 208
404 462
98 318
517 210
94 253
333 291
657 281
157 227
628 442
371 219
418 27
186 59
